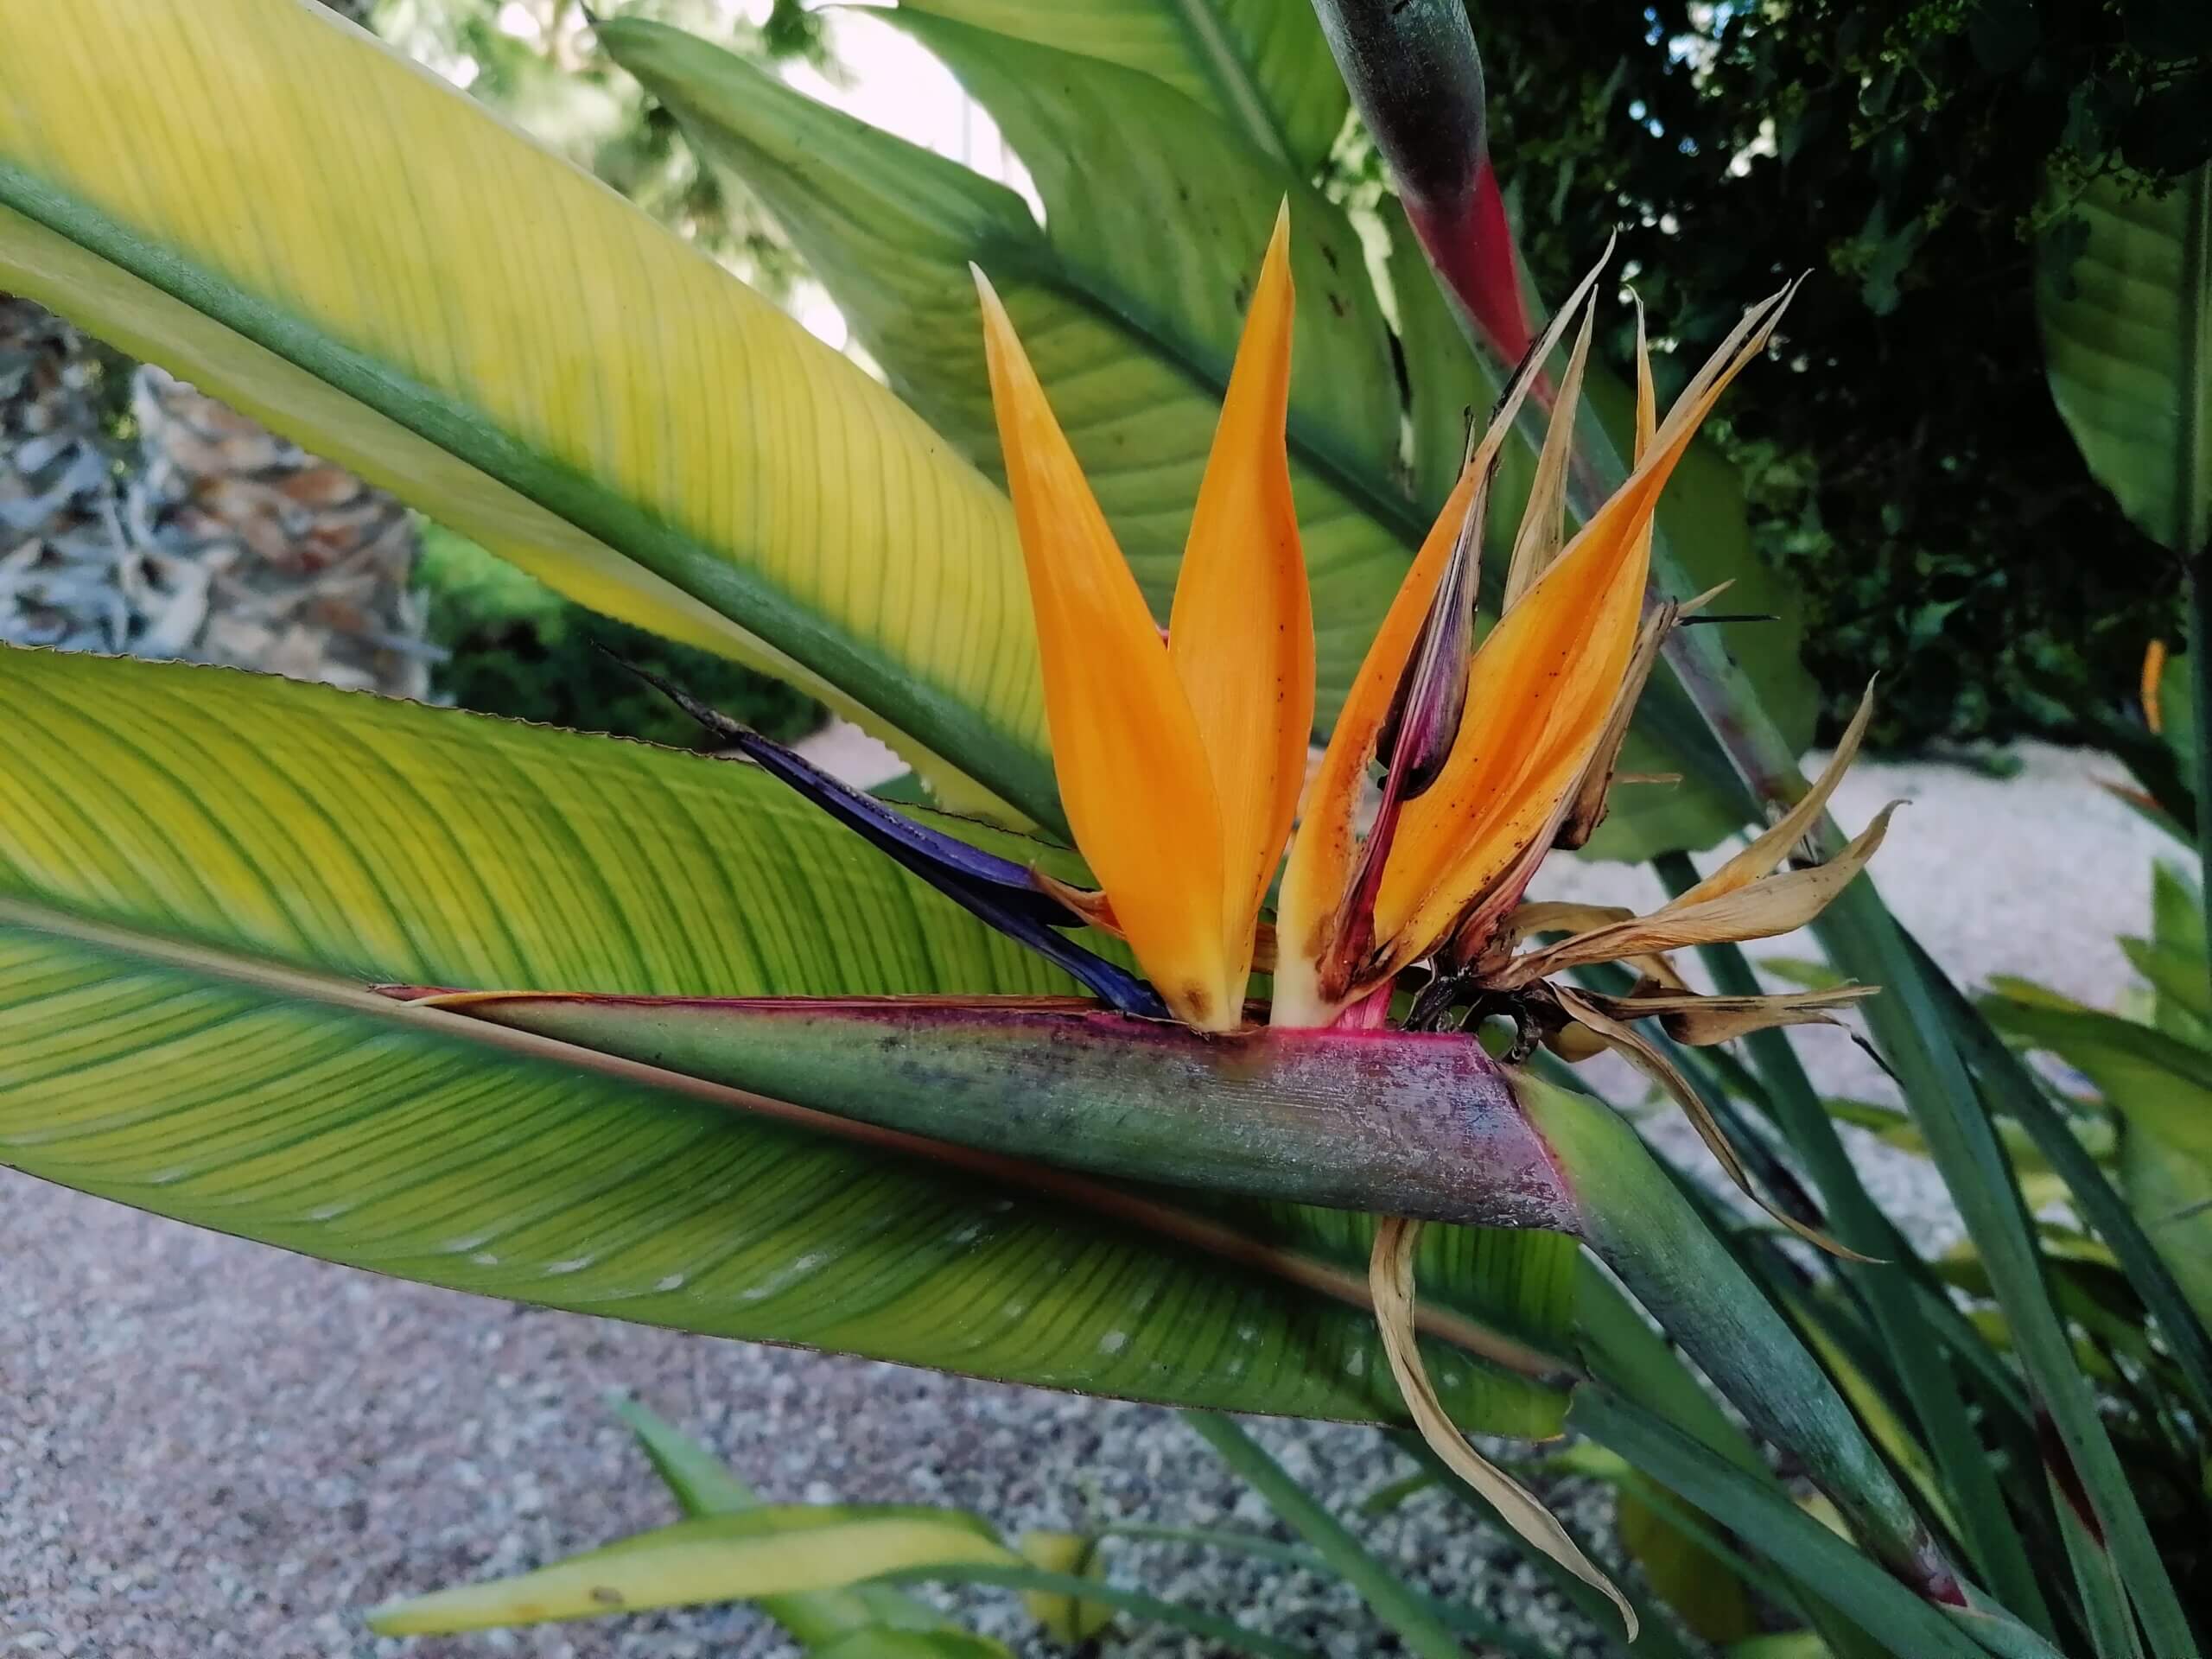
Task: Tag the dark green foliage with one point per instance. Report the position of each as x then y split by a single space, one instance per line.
1911 472
521 650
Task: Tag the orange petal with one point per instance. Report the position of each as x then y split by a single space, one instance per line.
1543 684
1325 853
1646 395
1241 637
1543 521
1132 767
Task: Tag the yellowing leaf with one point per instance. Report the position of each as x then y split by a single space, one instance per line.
1065 1619
295 218
780 1549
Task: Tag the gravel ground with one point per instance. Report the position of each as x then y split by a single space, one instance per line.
210 1448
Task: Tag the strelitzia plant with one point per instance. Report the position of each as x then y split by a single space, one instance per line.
1181 761
677 1048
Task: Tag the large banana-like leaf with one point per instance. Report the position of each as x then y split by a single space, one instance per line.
1260 64
265 200
1128 297
199 870
1129 300
1153 198
2126 317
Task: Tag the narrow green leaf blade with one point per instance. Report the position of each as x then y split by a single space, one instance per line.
1823 1563
2151 1079
2015 1090
1406 1611
694 1476
775 1549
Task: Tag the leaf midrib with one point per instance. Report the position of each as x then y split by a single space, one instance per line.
1233 77
939 720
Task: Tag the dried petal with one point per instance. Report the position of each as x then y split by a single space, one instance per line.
1764 854
1390 1280
1778 904
1543 521
1633 1046
1586 810
1701 1021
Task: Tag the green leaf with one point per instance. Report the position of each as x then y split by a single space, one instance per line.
776 1549
2126 316
1924 1029
694 1476
2169 1190
303 223
2154 1082
2179 979
1823 1563
1391 1494
1636 1220
1405 1609
1902 1318
200 866
1705 1590
2176 910
701 1485
2174 959
1130 301
1261 65
2013 1090
878 1643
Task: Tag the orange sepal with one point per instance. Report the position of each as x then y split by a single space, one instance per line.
1543 684
1240 636
1325 851
1125 747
